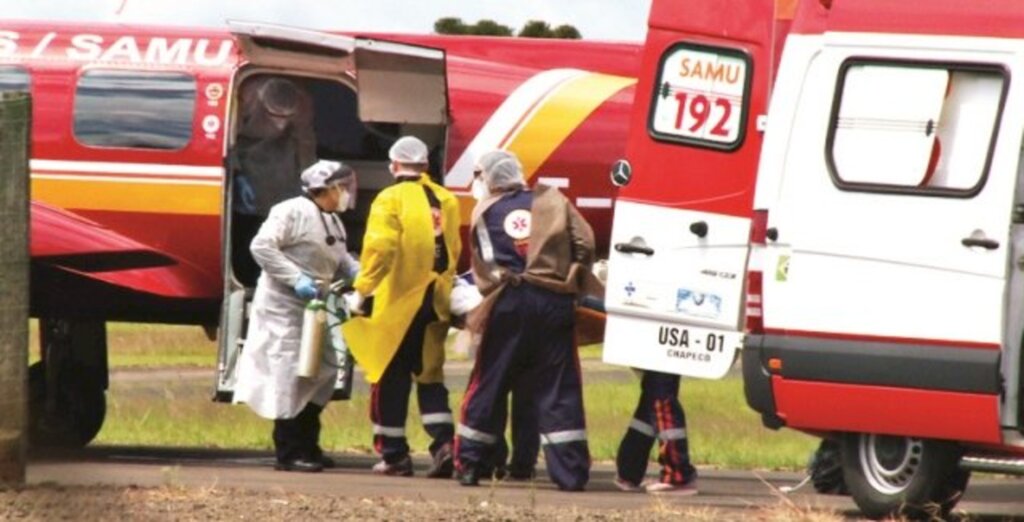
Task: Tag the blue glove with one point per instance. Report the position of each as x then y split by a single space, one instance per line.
306 288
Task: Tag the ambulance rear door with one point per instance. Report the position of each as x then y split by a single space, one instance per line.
681 229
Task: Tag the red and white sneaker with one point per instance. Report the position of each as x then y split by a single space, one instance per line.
667 488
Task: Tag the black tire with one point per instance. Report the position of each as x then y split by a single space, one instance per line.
902 476
77 418
826 468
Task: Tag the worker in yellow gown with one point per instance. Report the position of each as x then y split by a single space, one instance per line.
408 261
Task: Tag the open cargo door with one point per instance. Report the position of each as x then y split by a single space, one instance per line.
682 220
395 83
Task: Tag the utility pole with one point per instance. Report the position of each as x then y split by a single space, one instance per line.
15 135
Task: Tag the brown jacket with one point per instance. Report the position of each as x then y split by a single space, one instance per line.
559 256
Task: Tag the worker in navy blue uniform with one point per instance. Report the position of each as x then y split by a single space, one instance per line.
522 463
659 416
532 253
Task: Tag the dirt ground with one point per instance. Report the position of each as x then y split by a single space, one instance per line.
51 502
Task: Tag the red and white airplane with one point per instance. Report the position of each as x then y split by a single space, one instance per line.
136 134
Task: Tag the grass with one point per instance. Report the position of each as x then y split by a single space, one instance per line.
723 431
149 346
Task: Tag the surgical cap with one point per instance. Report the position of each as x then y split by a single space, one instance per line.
501 170
325 173
409 150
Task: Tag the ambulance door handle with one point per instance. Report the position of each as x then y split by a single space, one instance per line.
699 228
630 248
988 244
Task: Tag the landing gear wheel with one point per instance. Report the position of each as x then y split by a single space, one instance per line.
826 468
902 476
71 419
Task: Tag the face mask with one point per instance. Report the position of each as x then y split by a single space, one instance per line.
343 201
480 190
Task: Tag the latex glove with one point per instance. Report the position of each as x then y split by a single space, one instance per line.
306 288
354 302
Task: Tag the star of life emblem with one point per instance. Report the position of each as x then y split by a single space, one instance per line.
517 224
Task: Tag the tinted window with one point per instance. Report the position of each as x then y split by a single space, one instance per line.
13 78
923 128
149 110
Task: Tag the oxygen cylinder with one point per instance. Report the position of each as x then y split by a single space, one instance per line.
314 324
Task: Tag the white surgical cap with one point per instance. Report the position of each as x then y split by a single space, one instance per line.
325 173
501 170
409 150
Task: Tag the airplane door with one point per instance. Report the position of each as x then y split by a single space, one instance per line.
674 295
395 83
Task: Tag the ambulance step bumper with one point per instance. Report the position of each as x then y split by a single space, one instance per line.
993 464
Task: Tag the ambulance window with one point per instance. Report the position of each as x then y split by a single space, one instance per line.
701 97
147 110
914 128
13 78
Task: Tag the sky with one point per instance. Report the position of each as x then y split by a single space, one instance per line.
624 20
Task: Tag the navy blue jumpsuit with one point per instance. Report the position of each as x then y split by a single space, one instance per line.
528 344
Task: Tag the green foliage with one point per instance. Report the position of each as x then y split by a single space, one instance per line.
532 29
567 32
536 29
450 25
491 28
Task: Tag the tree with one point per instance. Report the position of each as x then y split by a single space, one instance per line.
567 32
490 28
450 25
536 29
532 29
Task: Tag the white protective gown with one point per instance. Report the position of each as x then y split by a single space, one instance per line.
291 242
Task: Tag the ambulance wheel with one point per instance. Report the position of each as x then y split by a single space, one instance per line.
72 419
894 476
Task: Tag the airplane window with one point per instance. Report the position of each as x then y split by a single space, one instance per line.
13 78
148 110
915 127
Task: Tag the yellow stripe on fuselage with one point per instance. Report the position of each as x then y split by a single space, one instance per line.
128 196
561 114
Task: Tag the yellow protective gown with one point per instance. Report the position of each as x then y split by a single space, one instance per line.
397 267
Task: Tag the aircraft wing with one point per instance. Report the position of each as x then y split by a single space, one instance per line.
72 243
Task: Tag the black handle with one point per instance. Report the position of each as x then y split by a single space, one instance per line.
989 244
630 248
699 228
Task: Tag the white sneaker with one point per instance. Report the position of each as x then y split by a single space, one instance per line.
666 488
627 486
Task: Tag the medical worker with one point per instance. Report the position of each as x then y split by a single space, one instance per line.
301 249
659 416
531 259
408 260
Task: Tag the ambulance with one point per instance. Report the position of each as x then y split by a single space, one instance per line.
858 241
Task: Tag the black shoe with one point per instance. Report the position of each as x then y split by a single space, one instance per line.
468 476
327 462
302 465
499 473
443 466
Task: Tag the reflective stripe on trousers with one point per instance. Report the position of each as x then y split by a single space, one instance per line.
562 437
476 435
388 431
438 418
